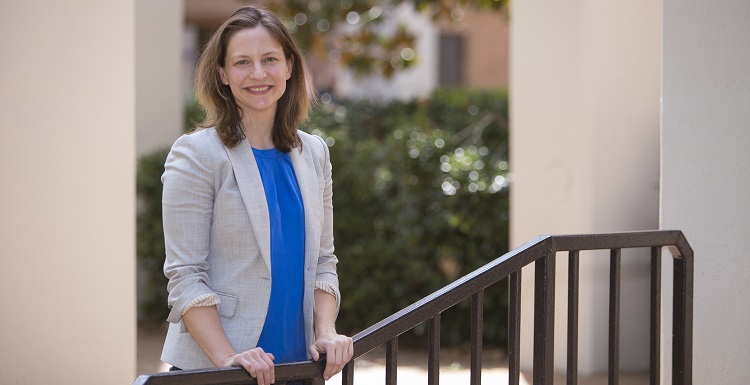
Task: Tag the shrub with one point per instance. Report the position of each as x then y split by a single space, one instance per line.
152 299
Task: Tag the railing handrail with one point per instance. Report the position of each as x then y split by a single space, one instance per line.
232 376
674 239
451 294
543 250
460 290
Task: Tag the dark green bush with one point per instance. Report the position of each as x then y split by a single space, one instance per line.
152 298
420 198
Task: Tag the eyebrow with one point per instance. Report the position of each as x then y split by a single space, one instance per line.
264 54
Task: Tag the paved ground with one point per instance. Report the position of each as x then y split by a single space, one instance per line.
370 370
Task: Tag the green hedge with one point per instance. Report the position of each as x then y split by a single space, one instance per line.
420 199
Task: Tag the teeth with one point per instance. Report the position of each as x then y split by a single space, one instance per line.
259 89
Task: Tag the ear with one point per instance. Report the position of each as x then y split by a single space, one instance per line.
289 66
223 75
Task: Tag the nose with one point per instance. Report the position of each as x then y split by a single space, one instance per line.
257 72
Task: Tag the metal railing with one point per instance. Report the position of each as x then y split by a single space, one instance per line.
541 251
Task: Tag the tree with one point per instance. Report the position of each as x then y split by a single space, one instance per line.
361 35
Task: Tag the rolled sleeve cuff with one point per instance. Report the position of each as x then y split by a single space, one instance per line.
330 289
208 299
178 303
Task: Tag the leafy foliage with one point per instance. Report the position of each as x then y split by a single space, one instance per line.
362 34
152 299
420 199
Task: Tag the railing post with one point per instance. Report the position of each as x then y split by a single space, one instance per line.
514 328
614 317
347 375
477 331
544 319
682 343
573 274
391 361
433 347
655 338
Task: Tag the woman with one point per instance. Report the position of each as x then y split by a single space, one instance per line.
247 213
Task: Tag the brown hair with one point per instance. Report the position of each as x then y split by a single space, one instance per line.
216 98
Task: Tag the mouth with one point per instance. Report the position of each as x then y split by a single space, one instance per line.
259 89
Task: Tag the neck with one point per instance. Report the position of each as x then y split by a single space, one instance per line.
258 131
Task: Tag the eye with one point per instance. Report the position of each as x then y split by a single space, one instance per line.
271 59
242 62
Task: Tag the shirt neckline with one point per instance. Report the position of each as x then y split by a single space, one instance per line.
267 153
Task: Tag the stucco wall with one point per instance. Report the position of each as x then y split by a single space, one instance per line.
67 146
705 184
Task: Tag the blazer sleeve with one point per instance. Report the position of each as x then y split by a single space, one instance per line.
327 278
187 209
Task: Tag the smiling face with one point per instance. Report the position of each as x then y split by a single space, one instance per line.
256 70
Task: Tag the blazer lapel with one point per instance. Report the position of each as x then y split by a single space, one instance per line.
309 187
251 188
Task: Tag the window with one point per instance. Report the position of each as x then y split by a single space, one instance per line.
451 60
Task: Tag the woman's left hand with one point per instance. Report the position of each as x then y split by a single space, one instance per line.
339 350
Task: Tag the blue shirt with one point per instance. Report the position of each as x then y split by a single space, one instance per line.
283 333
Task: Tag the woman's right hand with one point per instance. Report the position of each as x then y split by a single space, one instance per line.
257 362
205 327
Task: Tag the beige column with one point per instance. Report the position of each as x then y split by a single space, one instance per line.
67 145
705 182
585 156
159 52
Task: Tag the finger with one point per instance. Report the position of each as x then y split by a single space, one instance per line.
333 358
314 352
343 352
350 350
254 367
250 369
264 371
330 370
267 376
260 365
268 359
347 352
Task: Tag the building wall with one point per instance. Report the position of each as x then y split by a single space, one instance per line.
705 189
585 156
486 35
487 60
159 56
67 226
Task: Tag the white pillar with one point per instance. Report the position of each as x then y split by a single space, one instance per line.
67 145
705 184
585 156
159 55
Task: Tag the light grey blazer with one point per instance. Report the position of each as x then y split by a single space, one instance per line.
217 237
